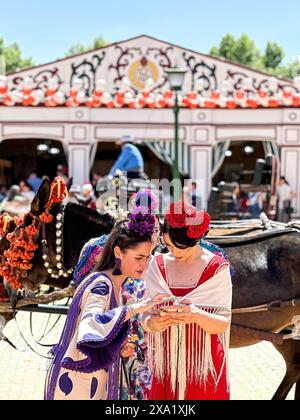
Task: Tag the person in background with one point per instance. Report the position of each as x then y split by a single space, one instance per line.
130 160
3 193
254 205
96 178
285 195
74 192
26 191
61 172
35 182
88 197
233 205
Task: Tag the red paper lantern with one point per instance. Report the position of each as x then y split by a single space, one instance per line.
98 93
3 90
8 101
210 104
142 103
146 94
73 93
263 93
50 92
215 95
192 96
110 104
287 94
185 101
27 91
252 103
273 103
240 94
120 99
169 94
296 101
231 104
161 103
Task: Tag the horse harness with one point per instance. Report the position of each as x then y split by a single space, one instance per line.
57 269
275 338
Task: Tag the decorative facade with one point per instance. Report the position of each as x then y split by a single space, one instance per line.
95 98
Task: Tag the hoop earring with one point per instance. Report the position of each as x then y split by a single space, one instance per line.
117 271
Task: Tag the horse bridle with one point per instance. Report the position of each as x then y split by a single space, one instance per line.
57 269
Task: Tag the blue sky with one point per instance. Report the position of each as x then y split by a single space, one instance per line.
46 29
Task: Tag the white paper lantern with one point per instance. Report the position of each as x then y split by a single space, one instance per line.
38 96
17 96
101 85
52 84
77 84
106 98
200 85
128 98
59 98
28 83
81 97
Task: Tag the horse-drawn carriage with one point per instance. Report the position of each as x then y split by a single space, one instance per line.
265 256
116 193
241 201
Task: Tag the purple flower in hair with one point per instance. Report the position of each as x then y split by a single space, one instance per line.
146 199
142 222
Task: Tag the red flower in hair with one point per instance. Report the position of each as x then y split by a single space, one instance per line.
181 215
200 227
176 217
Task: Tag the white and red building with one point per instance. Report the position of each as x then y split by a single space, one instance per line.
82 104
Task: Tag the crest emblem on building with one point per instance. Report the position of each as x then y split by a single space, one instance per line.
141 71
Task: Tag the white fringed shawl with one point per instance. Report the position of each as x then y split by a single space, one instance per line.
214 296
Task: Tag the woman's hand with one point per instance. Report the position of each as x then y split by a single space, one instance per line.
185 313
145 305
190 314
156 323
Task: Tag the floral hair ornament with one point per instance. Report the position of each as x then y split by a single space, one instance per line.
141 221
146 199
181 216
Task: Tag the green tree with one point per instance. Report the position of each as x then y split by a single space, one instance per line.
98 42
243 51
13 58
76 49
246 52
274 56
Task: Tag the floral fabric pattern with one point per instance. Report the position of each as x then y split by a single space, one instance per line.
135 378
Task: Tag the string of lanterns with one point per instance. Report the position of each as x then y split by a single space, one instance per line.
226 97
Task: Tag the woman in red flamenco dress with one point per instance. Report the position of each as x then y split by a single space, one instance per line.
189 334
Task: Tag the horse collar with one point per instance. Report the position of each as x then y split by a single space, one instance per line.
57 269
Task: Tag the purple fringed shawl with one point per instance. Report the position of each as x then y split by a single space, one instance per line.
98 355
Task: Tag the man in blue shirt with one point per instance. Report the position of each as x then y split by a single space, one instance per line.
130 160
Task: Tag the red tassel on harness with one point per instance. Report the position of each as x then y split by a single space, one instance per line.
58 192
5 221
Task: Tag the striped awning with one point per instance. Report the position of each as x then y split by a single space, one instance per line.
165 151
